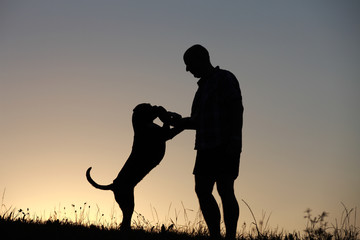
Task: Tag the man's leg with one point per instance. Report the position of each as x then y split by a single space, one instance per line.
225 187
208 205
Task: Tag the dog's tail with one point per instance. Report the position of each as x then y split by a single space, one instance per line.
92 182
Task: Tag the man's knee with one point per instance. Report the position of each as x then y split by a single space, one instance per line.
203 187
202 192
226 188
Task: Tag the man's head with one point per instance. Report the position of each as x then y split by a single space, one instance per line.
197 61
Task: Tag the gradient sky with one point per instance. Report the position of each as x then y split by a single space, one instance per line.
72 71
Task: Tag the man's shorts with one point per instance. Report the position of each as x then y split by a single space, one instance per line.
216 163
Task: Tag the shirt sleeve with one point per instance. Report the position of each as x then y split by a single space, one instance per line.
231 87
233 104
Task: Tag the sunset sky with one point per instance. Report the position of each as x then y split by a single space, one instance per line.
72 71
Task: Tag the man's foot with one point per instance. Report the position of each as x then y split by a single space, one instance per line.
230 238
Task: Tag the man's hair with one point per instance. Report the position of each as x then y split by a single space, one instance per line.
197 52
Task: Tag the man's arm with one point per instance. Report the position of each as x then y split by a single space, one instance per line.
172 132
185 123
236 125
234 108
168 118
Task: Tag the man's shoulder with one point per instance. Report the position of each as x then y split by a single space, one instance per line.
225 77
226 74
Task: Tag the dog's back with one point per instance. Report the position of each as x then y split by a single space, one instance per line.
148 148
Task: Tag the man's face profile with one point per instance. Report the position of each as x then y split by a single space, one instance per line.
193 67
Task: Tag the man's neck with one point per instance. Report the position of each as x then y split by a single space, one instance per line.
209 71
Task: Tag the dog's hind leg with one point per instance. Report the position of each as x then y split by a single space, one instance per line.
125 199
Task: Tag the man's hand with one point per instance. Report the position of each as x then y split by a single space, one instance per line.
174 118
233 149
168 117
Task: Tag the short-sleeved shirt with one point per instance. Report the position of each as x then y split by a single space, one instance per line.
213 110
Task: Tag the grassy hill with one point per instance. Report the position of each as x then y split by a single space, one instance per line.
56 230
18 224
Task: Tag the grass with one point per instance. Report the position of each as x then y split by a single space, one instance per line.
20 224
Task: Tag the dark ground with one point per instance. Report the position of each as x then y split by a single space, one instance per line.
54 230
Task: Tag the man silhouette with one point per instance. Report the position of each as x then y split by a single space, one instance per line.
217 117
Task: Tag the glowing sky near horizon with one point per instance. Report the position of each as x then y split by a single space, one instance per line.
72 71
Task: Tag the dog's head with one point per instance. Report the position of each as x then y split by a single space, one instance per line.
146 113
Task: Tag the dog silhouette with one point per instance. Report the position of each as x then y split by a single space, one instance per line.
147 152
